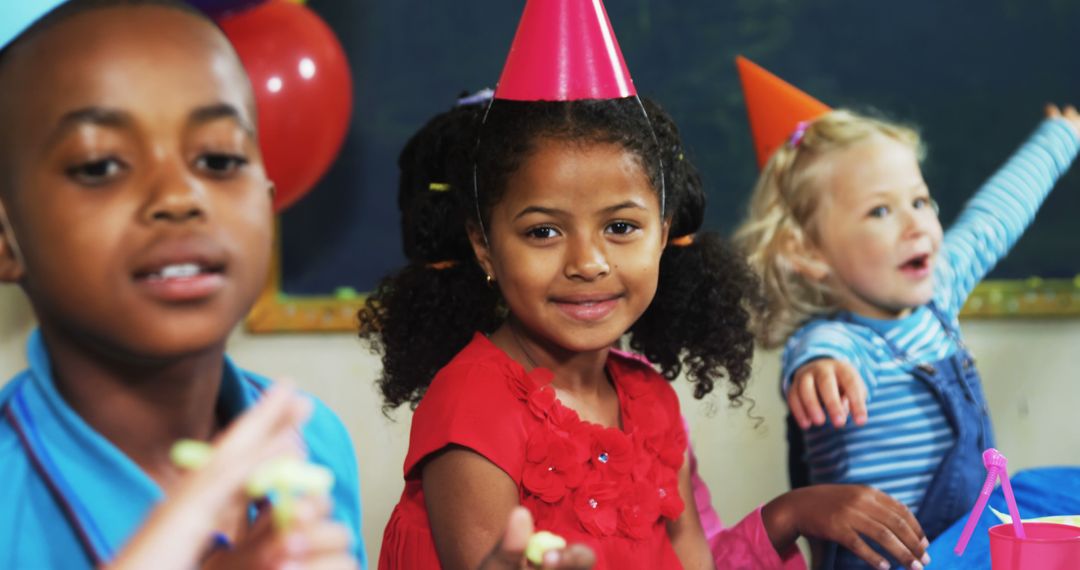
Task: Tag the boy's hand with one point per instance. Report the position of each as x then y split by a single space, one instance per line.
846 514
509 554
312 540
834 384
175 534
1069 115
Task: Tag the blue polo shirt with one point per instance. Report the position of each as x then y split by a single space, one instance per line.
70 499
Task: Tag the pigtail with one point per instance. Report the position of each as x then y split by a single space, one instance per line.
700 316
419 319
427 312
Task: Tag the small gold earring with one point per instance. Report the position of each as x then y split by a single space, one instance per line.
490 279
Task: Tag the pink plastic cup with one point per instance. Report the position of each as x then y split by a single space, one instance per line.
1048 546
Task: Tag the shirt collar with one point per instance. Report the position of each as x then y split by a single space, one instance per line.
882 326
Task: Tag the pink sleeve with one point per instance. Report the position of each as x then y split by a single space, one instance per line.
710 521
746 545
743 546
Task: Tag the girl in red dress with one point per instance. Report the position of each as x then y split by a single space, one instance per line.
502 330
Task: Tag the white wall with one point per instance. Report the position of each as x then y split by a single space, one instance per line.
1031 370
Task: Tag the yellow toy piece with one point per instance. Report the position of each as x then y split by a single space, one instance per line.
190 454
540 543
282 479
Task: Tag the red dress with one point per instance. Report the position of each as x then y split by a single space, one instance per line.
612 490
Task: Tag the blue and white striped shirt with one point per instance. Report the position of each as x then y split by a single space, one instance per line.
907 434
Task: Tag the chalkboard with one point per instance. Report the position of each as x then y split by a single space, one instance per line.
973 76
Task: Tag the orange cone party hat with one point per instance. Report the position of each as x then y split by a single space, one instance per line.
564 50
775 107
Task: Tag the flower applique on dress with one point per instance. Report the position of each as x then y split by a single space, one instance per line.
618 482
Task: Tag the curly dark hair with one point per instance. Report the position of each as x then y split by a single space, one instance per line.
700 317
422 316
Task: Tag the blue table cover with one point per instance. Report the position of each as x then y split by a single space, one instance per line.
1040 492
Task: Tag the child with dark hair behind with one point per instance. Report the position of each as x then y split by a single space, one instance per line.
594 250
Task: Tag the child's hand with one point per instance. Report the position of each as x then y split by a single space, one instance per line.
834 384
1069 115
509 554
312 540
845 514
175 535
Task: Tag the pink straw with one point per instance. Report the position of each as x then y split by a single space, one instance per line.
1010 500
976 512
995 464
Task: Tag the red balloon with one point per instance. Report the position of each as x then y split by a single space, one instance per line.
303 91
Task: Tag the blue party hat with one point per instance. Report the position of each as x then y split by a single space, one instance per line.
18 15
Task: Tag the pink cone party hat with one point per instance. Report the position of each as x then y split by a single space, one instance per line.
564 50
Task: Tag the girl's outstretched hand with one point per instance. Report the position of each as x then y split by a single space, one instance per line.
846 514
1068 114
509 554
831 384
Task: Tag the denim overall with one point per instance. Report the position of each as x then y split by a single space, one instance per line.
959 478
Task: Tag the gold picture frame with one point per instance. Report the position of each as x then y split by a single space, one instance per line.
278 312
1033 297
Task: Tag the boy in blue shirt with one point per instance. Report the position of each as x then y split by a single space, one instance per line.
136 215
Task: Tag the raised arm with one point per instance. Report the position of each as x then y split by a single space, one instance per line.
1004 207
